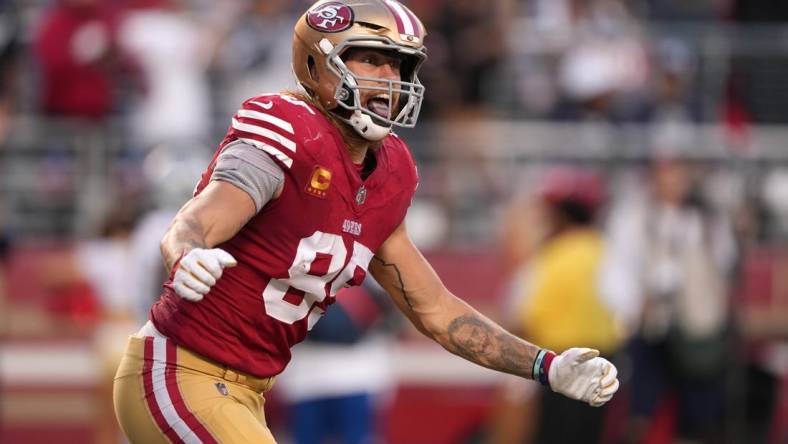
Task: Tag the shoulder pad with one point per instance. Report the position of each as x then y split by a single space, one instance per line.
402 159
269 122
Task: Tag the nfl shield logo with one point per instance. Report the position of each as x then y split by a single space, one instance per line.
222 388
361 195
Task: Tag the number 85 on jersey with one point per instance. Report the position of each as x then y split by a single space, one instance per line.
320 268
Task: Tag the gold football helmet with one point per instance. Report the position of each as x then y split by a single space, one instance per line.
328 29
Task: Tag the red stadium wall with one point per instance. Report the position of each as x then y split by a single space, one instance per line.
61 401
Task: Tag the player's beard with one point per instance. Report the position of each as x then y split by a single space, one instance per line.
350 136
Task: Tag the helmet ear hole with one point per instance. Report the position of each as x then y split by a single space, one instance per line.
408 68
310 66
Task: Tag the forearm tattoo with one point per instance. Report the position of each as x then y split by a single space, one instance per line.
479 340
400 286
474 337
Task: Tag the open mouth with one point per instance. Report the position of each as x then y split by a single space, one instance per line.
379 105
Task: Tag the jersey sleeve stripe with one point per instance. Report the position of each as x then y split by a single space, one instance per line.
282 157
266 133
264 125
266 118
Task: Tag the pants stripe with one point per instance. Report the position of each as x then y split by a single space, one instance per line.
147 380
158 397
177 399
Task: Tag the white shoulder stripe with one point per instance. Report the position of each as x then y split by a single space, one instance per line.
265 132
282 157
266 118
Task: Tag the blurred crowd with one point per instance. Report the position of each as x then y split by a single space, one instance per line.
110 80
629 153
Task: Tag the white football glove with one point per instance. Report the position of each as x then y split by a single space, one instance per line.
198 271
579 373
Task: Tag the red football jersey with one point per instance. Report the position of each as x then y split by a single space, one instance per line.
302 247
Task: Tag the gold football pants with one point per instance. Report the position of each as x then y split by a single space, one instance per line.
166 394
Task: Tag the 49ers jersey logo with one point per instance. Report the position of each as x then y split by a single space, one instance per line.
330 17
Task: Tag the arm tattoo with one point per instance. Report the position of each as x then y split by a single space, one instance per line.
401 286
476 338
479 340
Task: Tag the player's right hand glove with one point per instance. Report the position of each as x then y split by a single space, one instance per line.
199 270
579 373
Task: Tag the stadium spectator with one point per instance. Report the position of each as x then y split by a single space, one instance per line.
752 96
171 49
762 319
9 72
75 49
80 64
306 193
469 41
667 270
673 107
556 300
602 72
251 55
667 10
10 28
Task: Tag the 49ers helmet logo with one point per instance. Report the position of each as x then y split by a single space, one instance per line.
330 17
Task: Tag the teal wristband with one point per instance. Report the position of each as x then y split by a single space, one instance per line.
542 362
537 368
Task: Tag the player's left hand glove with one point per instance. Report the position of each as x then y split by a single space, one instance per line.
578 373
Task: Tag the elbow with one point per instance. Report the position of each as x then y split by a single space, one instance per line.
166 250
435 322
420 328
432 328
429 329
164 256
163 245
424 321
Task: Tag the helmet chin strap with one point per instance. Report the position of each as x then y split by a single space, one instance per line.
366 127
360 121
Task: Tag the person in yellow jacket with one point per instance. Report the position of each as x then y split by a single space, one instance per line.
561 305
557 302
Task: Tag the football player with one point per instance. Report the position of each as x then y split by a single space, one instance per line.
307 194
